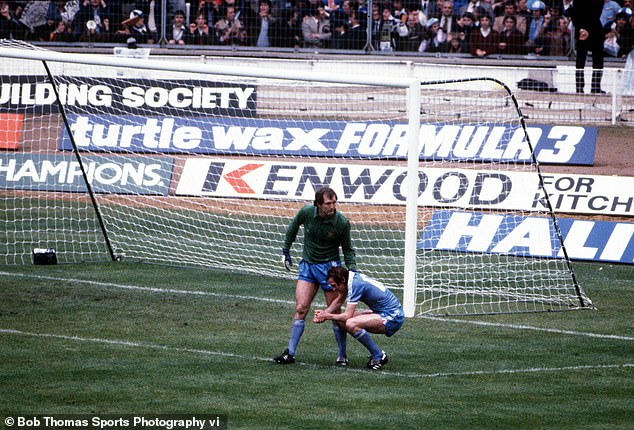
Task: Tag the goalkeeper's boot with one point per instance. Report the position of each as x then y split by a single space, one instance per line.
378 363
341 362
285 358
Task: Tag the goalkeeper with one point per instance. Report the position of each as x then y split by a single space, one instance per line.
385 316
325 230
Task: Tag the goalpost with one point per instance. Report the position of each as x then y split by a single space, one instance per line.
179 163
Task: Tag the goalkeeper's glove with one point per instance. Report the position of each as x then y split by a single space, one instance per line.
286 259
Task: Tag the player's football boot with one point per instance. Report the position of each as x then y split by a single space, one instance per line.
378 363
285 358
341 362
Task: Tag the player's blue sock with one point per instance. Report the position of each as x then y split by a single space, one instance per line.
340 337
365 339
297 329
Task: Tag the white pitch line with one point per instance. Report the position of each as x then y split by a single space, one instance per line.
149 289
129 343
289 302
365 372
515 371
528 327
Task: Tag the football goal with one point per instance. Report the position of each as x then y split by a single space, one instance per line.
186 163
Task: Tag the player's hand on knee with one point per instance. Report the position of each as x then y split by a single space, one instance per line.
286 259
318 318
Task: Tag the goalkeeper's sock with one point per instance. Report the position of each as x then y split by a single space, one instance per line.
297 329
340 337
365 339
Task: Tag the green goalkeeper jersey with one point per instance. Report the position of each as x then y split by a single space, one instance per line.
322 237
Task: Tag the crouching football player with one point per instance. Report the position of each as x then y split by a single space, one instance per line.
385 315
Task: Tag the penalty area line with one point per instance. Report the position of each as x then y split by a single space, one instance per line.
410 375
129 344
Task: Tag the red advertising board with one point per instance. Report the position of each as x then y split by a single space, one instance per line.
10 129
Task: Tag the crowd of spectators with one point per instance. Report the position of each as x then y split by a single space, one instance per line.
478 27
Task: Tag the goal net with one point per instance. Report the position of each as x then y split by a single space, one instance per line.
190 164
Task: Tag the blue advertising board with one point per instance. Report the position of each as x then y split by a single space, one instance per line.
364 140
529 236
106 174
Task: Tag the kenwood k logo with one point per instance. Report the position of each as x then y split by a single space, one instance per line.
233 178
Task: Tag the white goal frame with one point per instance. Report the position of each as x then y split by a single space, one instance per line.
413 105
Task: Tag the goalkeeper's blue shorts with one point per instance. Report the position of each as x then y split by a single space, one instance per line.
317 273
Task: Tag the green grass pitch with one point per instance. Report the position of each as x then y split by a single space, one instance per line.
123 338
